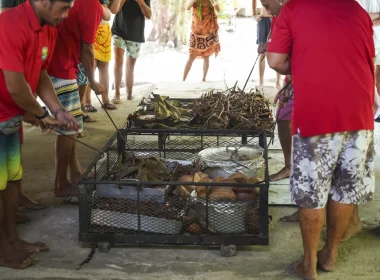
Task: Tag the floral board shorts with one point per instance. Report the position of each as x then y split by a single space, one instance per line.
132 49
339 165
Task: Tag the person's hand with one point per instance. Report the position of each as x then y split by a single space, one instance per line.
262 48
257 17
97 87
283 96
376 109
66 121
48 124
30 118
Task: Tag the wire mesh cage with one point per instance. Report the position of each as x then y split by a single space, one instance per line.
137 204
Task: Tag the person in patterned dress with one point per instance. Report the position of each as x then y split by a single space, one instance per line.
204 37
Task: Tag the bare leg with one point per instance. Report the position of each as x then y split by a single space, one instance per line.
278 81
104 79
188 65
311 225
338 216
10 203
354 226
76 170
262 68
285 136
82 92
25 201
87 96
9 256
206 65
64 147
118 71
130 75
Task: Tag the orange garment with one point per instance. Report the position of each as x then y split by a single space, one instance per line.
204 38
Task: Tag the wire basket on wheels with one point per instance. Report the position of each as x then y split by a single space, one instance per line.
131 211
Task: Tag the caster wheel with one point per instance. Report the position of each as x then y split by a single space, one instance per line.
227 250
104 247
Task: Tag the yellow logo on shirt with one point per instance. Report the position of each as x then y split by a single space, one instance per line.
45 52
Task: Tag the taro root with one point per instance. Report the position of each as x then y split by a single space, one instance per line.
184 191
248 193
239 178
223 193
198 178
194 229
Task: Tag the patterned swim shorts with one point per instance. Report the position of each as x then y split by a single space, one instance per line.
132 49
68 95
82 78
339 165
10 159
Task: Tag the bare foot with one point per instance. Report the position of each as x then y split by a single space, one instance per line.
351 231
326 260
21 245
28 203
294 218
66 190
282 174
75 176
17 259
303 272
22 219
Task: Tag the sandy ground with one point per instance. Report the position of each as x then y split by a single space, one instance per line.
58 224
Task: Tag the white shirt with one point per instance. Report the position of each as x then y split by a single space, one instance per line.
372 6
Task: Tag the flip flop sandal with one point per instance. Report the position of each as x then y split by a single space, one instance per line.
42 246
26 263
22 219
87 118
71 199
80 135
36 206
109 106
116 100
89 108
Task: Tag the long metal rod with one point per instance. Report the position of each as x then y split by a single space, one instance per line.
251 71
84 144
109 116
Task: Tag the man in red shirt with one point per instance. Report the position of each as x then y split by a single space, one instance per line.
333 146
76 36
23 63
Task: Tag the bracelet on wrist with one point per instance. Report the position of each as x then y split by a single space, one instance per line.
44 115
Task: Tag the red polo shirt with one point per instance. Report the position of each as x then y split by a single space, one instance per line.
81 24
332 64
26 47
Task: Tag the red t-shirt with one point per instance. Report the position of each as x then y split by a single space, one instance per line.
332 65
26 47
80 25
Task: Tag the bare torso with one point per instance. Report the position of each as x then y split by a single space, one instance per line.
264 13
